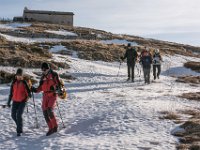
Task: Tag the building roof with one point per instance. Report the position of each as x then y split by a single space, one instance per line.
47 12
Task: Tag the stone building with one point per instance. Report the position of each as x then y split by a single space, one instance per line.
65 18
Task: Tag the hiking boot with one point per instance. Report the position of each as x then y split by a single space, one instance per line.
154 78
55 129
50 132
19 134
128 79
132 80
158 77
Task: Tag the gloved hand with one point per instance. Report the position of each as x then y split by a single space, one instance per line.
29 95
33 89
52 88
8 105
122 58
60 93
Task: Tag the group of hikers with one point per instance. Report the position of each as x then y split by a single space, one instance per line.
50 85
146 59
20 92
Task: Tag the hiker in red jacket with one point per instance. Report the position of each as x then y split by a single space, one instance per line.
49 84
19 94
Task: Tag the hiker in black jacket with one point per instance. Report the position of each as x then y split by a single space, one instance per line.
131 56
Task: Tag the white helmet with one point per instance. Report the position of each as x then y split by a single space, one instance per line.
157 51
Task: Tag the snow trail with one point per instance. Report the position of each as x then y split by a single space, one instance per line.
103 111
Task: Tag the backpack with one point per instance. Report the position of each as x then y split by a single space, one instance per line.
62 93
28 84
157 59
146 61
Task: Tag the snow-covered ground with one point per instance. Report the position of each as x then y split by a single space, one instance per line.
103 111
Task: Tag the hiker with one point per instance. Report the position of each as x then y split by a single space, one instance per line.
157 59
19 94
146 61
49 84
131 56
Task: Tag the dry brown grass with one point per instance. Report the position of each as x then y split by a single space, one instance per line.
191 112
27 56
170 115
92 50
191 96
189 79
67 76
193 65
182 147
190 138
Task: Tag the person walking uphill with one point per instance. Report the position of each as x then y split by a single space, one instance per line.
49 84
19 94
146 60
131 56
157 59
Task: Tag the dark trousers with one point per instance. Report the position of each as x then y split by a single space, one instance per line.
131 70
158 67
17 112
146 71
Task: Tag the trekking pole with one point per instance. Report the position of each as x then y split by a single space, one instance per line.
36 120
60 115
119 68
138 66
27 107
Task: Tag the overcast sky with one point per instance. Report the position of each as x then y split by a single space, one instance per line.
173 20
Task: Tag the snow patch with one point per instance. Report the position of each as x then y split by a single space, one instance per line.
62 32
118 42
57 48
174 65
177 130
180 71
14 26
30 40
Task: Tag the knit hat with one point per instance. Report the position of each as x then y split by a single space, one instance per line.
45 66
129 45
19 71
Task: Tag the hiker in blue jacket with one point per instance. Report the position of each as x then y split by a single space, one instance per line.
146 61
